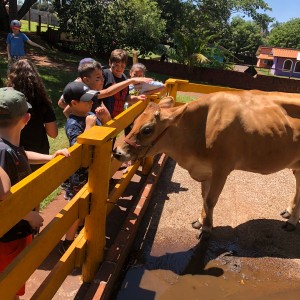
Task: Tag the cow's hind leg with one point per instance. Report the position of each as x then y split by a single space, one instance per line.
205 186
293 210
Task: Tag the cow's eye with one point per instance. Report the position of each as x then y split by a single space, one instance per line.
146 130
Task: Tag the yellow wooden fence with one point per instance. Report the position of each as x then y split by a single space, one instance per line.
93 203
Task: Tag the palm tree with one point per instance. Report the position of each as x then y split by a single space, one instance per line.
189 49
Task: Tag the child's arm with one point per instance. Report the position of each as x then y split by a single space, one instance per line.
161 90
8 52
132 98
34 219
51 129
39 158
4 184
30 42
115 88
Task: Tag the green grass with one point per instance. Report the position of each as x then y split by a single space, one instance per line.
33 25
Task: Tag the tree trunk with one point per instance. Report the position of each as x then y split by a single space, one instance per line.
25 8
13 10
4 20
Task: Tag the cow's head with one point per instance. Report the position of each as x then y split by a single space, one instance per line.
148 130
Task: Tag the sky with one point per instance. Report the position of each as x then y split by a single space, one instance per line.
284 10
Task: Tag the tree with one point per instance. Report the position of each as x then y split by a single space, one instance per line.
13 13
246 36
285 34
189 50
101 26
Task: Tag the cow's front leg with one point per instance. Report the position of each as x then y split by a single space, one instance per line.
209 202
292 213
205 186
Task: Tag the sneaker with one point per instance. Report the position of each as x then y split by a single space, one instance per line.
68 196
65 185
64 246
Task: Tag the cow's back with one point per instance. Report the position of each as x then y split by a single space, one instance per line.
248 130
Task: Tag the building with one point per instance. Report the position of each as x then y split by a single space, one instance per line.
280 61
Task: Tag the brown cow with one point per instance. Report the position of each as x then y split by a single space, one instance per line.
253 131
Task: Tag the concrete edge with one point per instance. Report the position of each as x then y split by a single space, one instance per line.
110 269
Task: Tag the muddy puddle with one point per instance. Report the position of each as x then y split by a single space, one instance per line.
186 275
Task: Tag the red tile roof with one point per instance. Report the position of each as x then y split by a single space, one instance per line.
288 53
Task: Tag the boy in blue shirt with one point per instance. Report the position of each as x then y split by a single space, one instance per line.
15 43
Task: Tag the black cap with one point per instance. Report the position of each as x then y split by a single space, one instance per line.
78 91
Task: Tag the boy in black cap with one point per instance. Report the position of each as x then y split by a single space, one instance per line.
14 161
80 98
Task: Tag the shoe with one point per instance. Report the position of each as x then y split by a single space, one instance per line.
68 196
65 185
64 246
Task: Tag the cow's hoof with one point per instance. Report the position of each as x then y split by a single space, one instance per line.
203 235
288 226
285 214
196 224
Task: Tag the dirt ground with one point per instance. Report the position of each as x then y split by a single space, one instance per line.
249 255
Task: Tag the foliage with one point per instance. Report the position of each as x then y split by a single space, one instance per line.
245 36
189 49
101 26
285 34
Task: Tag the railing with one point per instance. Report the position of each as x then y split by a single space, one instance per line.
92 203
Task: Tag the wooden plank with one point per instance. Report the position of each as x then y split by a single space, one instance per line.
61 270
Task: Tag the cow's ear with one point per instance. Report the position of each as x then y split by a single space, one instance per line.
175 114
166 102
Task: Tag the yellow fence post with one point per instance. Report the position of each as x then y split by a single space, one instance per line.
99 174
98 185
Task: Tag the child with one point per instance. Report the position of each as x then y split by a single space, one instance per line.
80 99
145 88
14 160
115 75
15 43
90 73
24 77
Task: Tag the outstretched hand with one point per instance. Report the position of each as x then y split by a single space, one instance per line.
65 152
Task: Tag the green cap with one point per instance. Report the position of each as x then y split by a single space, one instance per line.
12 103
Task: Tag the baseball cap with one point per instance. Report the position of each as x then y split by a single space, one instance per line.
15 23
86 60
12 103
78 91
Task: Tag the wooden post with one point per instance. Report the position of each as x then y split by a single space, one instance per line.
98 184
99 174
147 165
134 57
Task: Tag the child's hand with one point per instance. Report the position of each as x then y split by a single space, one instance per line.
42 48
141 97
34 219
65 152
90 121
141 80
102 114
